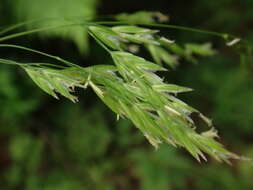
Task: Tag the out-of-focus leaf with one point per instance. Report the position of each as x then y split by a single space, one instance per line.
57 13
20 147
200 49
142 17
161 55
180 51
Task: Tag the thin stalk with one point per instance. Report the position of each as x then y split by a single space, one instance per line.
10 62
27 32
99 42
39 30
177 27
41 53
15 26
45 64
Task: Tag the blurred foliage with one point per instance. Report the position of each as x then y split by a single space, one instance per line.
230 101
142 17
47 13
50 145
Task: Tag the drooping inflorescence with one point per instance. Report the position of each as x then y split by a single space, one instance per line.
132 89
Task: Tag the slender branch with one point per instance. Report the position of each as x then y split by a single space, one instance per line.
46 64
15 26
11 62
18 25
99 42
39 52
177 27
39 30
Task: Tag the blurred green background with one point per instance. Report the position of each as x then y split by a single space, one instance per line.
46 144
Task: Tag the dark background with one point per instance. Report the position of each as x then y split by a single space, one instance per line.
49 144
